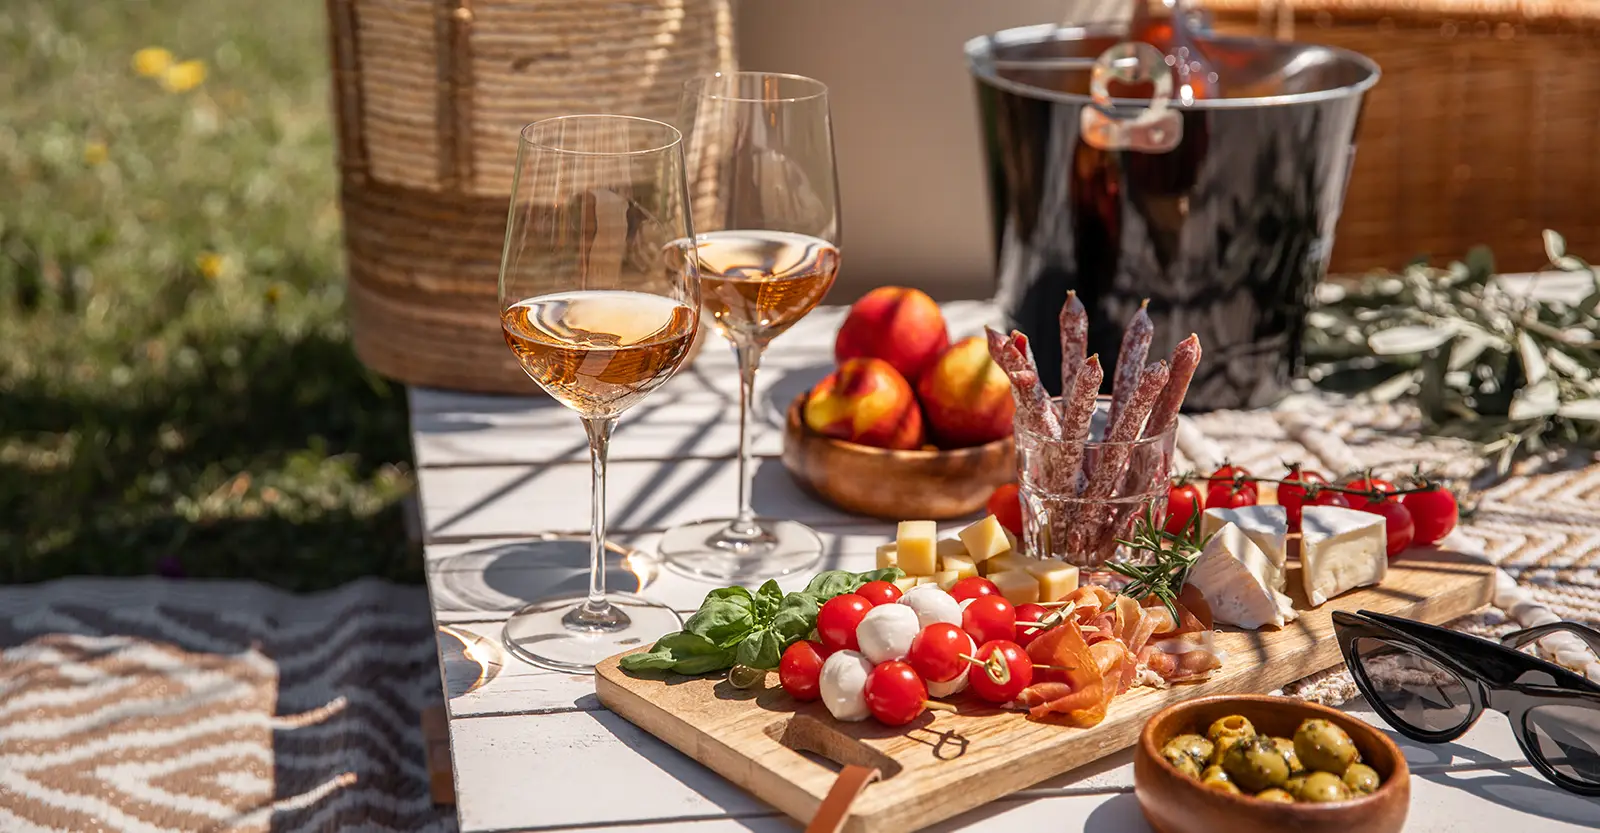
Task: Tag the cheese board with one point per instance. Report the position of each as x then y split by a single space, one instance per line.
942 764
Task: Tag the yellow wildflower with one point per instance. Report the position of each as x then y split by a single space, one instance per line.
180 78
273 293
94 152
210 264
151 61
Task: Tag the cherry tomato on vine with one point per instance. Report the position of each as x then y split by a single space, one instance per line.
1434 513
1183 503
1006 507
1230 495
837 620
1292 495
972 587
936 652
800 670
894 693
1397 523
1016 676
1226 474
1331 498
1371 484
879 593
989 618
1027 613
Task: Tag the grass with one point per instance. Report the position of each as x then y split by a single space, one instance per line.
177 393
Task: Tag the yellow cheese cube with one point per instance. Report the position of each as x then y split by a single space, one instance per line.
1018 586
946 579
985 539
1006 563
888 555
915 545
1056 579
959 563
921 580
905 583
949 546
1011 540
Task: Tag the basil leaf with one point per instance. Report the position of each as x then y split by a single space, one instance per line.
831 583
722 621
683 652
761 649
795 617
885 574
735 594
767 599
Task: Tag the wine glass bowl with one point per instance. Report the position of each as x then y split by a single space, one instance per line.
600 302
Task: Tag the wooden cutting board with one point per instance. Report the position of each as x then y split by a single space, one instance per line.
944 764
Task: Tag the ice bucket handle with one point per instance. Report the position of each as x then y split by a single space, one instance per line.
1155 128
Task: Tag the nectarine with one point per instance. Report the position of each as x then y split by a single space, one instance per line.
866 401
966 397
901 326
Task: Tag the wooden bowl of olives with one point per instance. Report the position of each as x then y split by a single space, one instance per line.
1256 764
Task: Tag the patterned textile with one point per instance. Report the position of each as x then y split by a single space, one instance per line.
154 705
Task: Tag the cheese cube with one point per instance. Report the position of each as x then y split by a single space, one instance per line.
946 579
1018 586
914 542
949 546
1056 579
959 563
1267 526
888 555
1011 540
921 580
1236 578
1340 549
905 583
1005 563
985 539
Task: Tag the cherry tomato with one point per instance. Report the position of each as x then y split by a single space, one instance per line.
936 652
1230 495
1328 497
1371 484
879 593
1227 474
800 670
1292 496
989 618
1006 507
1435 514
972 588
1029 613
1183 503
1397 523
1017 676
837 620
895 693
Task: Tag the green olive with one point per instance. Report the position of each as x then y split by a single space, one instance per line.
1194 745
1220 749
1233 724
1322 786
1222 786
1214 773
1324 746
1275 794
1286 746
1361 779
1295 782
1256 764
1184 762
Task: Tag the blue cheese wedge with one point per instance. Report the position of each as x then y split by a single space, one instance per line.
1236 578
1267 526
1340 549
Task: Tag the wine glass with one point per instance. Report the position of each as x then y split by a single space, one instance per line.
766 209
599 300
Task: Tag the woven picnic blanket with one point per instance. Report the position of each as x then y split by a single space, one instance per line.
154 705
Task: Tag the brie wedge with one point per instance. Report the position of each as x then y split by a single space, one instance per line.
1340 549
1267 526
1236 578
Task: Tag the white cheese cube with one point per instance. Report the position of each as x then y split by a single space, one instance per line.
888 555
1236 578
1340 549
949 546
1056 579
946 579
914 542
961 564
1267 526
1018 586
905 583
985 539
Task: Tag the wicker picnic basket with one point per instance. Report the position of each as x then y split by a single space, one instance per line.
1484 129
429 98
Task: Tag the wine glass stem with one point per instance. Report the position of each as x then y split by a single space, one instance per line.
599 430
749 358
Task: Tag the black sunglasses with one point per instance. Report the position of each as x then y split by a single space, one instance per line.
1431 684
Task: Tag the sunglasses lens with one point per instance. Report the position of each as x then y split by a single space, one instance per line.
1568 738
1414 689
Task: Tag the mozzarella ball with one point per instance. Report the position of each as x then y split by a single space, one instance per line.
843 685
932 604
886 632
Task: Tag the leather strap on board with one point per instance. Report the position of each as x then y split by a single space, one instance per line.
836 806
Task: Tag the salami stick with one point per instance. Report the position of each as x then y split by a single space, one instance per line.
1074 343
1033 403
1185 357
1078 408
1094 525
1130 362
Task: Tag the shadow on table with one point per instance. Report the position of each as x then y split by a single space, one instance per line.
1525 792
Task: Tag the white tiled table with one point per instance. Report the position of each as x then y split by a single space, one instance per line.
534 749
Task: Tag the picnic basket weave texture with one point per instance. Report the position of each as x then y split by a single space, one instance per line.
429 97
1483 128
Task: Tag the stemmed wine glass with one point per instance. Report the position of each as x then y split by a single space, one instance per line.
766 209
600 300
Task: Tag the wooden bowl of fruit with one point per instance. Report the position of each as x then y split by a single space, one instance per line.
1258 764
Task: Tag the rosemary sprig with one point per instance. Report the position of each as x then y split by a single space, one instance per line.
1172 555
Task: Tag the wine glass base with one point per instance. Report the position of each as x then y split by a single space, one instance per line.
709 550
559 635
